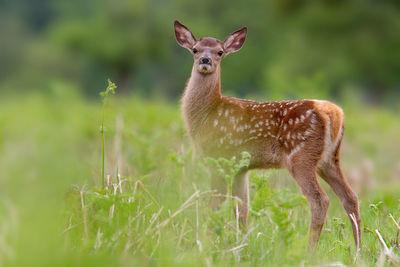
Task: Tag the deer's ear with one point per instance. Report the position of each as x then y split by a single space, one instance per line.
184 36
235 40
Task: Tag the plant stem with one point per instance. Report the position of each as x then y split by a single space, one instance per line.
109 90
103 144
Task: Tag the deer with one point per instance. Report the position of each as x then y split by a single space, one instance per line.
303 136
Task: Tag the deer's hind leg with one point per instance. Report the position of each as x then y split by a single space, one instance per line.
306 178
331 172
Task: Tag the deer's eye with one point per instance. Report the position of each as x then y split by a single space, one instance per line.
220 53
194 51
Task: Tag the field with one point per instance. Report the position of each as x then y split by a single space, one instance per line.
154 209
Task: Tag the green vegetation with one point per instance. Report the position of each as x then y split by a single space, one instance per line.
115 183
154 207
294 49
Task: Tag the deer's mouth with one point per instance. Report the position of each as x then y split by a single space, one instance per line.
204 67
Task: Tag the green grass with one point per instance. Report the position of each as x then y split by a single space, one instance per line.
154 208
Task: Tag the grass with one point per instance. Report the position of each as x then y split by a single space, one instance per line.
153 210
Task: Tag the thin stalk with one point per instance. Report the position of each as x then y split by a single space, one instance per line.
109 90
103 143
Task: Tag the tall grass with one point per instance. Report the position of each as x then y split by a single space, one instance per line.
155 212
161 216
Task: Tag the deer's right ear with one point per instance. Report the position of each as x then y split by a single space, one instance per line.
184 36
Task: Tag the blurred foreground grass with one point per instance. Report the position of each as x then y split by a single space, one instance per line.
54 212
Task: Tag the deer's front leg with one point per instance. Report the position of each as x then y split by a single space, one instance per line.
240 189
220 190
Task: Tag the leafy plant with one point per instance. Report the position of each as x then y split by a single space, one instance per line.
278 204
229 168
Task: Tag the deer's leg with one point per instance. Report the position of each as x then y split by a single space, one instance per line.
220 188
333 175
240 189
318 200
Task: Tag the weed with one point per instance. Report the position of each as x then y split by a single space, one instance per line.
109 90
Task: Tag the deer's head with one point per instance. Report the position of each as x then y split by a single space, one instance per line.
208 52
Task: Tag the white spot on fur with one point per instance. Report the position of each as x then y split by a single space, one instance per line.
293 152
313 120
215 122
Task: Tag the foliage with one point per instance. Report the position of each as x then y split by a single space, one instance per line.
53 210
229 168
294 49
278 203
153 210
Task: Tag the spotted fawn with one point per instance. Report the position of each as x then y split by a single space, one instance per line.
302 136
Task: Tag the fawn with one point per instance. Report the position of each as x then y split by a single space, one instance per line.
302 136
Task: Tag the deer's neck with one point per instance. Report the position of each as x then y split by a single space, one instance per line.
202 95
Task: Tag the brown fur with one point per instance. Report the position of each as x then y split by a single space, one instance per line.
302 136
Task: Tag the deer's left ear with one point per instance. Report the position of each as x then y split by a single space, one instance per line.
235 40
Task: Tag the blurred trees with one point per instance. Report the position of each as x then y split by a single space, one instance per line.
295 49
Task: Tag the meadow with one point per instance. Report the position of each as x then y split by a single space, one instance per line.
153 209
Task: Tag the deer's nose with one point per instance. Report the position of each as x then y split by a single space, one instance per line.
205 60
